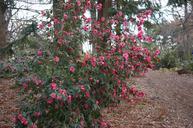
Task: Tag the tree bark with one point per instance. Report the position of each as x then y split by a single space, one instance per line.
3 25
58 8
3 28
106 5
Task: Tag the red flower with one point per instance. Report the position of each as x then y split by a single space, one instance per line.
93 61
49 101
24 121
53 95
78 3
133 90
33 126
53 86
43 13
148 39
125 56
102 19
14 119
87 94
56 21
56 59
69 99
63 92
99 6
72 69
37 114
40 53
103 124
85 28
157 52
41 26
148 59
65 17
59 97
25 85
82 88
140 94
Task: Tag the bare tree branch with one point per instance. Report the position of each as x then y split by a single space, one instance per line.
40 3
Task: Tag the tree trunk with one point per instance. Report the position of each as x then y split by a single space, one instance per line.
106 5
58 8
3 28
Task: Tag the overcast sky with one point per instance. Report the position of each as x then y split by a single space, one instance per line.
29 14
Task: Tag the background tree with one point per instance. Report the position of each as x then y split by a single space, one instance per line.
186 44
5 15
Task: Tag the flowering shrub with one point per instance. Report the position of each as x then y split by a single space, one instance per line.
66 88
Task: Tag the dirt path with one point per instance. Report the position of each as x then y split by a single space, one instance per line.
8 102
168 103
176 92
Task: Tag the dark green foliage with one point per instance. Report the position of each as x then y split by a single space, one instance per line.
168 60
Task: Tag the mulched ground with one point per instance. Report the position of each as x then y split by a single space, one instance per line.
168 103
8 102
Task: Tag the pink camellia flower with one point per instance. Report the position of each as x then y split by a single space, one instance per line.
88 20
97 102
102 19
56 59
82 88
63 92
87 94
102 58
148 59
20 116
24 121
41 26
114 93
78 3
93 61
69 99
53 95
49 25
86 106
56 21
59 97
140 35
37 114
125 56
99 6
133 90
53 86
65 16
25 85
120 13
148 39
40 53
50 101
33 126
60 41
14 119
140 94
43 13
85 28
72 69
157 52
124 90
103 124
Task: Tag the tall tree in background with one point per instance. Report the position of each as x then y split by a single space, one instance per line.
3 27
5 15
186 23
